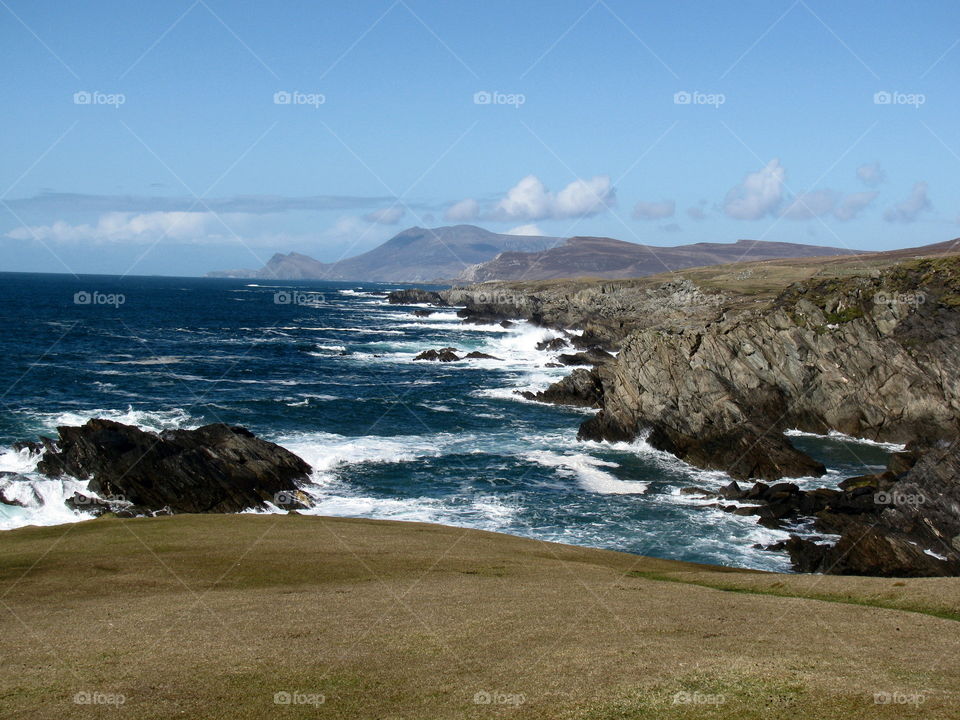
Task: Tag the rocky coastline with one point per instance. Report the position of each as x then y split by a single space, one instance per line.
716 377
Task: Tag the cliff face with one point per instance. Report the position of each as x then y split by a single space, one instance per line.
716 380
873 358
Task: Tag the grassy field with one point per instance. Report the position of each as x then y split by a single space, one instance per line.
232 616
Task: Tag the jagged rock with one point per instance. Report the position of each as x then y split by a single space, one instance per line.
593 356
447 354
731 491
415 296
582 388
867 550
423 313
215 468
476 355
557 343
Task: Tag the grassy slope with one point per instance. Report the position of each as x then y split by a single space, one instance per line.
761 280
209 616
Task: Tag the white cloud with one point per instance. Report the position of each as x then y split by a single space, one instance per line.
130 228
697 212
654 210
815 203
759 195
530 229
529 199
583 198
386 216
909 209
852 204
463 211
871 174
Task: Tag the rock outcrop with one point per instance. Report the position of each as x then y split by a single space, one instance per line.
447 354
415 296
213 469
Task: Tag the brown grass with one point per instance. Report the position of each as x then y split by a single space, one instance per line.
210 616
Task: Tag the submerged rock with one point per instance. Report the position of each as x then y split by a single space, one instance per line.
215 468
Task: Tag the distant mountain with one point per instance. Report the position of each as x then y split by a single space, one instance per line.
414 255
614 259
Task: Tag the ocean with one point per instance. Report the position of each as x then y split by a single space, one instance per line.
327 371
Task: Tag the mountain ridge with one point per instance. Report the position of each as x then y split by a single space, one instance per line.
466 253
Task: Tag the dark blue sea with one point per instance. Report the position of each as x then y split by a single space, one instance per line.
327 371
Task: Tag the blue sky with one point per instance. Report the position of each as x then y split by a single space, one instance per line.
143 137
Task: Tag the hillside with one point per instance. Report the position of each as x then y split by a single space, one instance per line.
608 258
245 616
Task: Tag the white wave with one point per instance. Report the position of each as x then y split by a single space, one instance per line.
461 327
42 500
586 469
153 420
485 513
325 451
834 435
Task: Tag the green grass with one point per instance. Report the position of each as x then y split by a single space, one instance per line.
212 616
